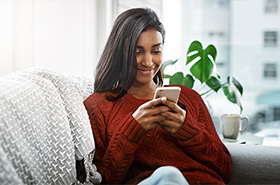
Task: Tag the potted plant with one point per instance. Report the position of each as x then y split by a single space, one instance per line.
202 63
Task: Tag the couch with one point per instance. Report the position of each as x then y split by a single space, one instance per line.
45 134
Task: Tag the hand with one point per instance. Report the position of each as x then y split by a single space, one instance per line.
150 113
175 118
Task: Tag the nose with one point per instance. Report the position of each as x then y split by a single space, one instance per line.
147 60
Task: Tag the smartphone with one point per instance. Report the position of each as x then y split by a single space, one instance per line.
171 93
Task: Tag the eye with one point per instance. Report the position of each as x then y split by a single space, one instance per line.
156 51
139 52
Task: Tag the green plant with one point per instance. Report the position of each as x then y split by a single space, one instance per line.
202 62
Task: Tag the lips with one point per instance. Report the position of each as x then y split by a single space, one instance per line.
146 71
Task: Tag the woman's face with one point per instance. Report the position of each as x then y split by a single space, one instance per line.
148 55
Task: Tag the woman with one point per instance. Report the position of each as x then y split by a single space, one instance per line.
144 140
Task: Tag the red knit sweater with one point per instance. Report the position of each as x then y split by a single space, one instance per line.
127 153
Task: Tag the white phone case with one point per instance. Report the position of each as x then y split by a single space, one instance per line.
171 93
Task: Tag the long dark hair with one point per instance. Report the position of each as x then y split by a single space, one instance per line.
117 67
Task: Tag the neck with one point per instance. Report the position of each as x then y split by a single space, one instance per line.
143 91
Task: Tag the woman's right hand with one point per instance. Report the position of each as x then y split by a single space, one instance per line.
148 114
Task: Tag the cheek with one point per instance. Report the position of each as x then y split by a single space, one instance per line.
138 59
158 64
158 60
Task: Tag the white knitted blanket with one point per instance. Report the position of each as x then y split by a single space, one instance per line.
44 128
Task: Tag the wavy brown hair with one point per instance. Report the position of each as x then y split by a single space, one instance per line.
117 67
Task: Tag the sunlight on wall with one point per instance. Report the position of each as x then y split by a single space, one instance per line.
58 35
6 34
174 30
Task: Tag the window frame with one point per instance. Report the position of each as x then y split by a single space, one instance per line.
269 39
270 70
271 6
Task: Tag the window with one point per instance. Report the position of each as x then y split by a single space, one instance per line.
220 64
220 3
270 38
270 71
271 6
276 113
224 3
216 34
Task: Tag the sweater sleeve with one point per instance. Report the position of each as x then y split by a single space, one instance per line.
114 158
200 140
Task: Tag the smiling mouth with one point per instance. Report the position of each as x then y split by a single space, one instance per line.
146 70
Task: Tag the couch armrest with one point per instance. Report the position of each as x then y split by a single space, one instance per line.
254 164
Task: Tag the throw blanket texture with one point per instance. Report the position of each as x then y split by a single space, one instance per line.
44 128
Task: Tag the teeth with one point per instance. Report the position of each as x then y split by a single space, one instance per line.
145 70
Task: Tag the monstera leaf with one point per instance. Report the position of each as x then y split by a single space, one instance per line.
204 60
202 63
188 81
176 79
167 63
214 83
233 90
179 79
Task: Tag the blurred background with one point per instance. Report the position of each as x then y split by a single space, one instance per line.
69 35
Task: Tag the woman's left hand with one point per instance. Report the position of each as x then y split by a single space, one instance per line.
175 118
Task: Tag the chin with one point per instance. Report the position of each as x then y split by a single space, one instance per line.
144 81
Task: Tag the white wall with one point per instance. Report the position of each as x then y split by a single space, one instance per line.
172 19
55 34
69 36
64 35
6 37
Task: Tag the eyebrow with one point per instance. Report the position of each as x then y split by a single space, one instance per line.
141 47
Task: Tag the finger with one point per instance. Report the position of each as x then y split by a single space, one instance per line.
154 111
150 122
154 102
169 115
177 117
151 119
169 123
151 126
169 129
157 118
160 109
173 106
